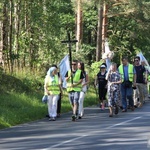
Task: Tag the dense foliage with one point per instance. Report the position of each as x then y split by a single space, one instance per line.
31 31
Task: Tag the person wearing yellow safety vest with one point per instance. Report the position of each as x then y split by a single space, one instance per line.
60 95
128 76
149 78
52 88
74 80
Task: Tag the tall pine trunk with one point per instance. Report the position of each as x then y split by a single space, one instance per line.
99 32
79 25
5 35
16 34
1 42
104 26
10 37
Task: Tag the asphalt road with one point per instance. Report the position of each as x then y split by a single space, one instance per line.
95 131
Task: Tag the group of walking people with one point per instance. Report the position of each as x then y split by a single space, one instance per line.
77 80
123 86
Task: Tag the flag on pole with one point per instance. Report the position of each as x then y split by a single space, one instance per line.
64 66
142 58
107 51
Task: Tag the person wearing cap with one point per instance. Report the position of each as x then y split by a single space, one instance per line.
52 88
102 85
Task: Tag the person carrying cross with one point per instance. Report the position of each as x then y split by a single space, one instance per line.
74 80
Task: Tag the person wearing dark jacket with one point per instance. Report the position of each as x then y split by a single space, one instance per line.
102 85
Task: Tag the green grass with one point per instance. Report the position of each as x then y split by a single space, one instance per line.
17 108
20 100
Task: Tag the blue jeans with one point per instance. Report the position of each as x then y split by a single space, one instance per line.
126 93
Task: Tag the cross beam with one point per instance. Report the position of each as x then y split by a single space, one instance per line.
69 41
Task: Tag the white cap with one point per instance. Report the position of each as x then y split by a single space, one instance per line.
103 66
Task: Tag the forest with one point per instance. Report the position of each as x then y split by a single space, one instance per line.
31 31
31 35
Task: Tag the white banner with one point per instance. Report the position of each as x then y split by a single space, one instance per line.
107 52
64 66
142 58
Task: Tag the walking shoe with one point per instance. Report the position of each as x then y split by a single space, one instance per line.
50 119
73 117
79 117
53 119
82 114
116 110
124 110
140 105
132 108
135 106
110 115
103 107
121 107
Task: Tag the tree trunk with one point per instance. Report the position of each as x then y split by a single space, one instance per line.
79 23
5 36
99 33
1 43
104 26
26 30
1 38
16 33
10 38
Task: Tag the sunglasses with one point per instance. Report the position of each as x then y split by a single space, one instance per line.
136 60
74 64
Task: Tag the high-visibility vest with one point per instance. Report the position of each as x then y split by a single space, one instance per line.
148 78
53 85
130 72
76 79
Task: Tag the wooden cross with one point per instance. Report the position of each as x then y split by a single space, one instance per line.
69 41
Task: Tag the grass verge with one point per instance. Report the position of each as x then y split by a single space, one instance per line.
17 108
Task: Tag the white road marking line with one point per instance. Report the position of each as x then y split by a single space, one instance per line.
77 138
118 124
68 141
